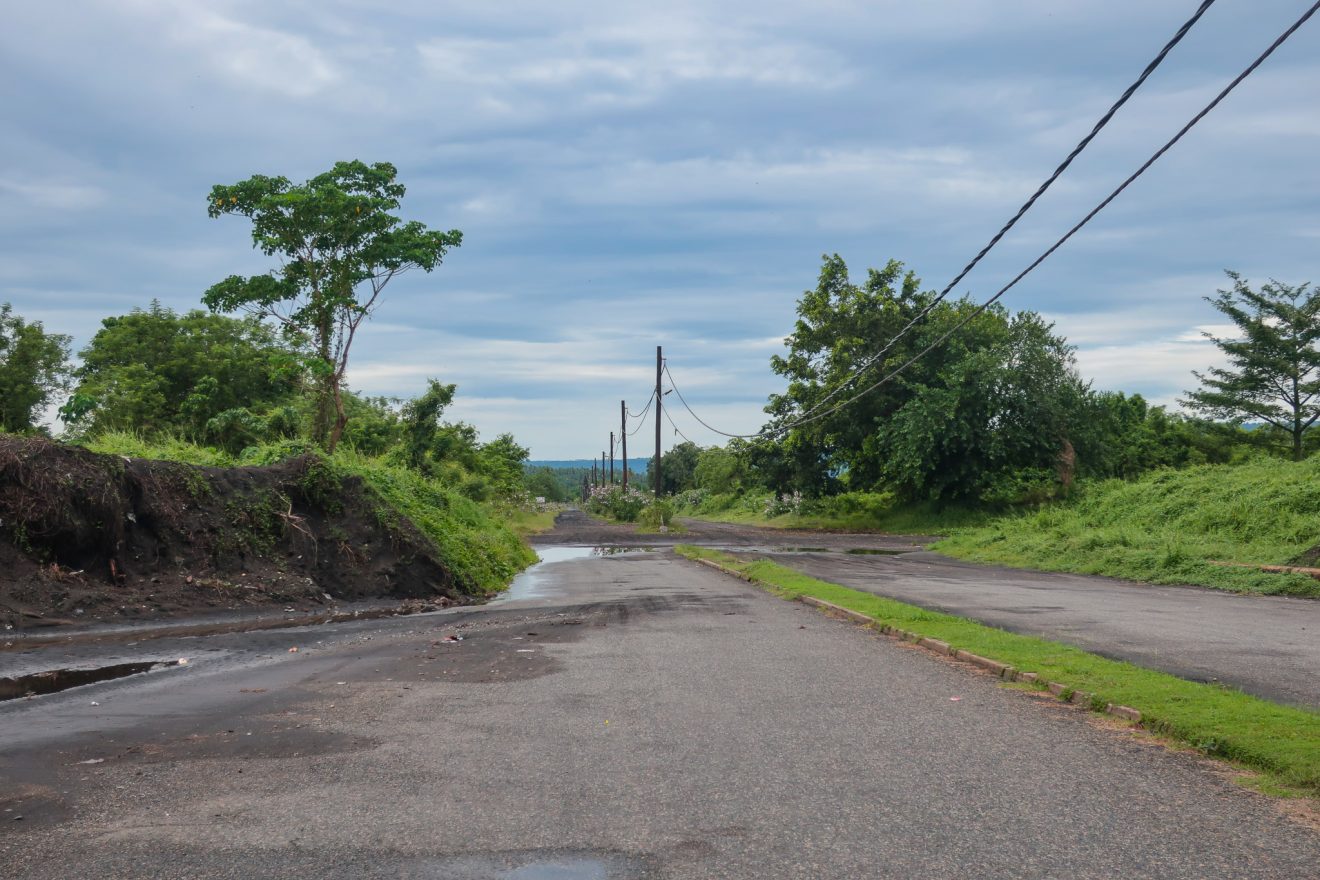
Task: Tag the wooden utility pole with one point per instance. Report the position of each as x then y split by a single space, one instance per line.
593 472
611 458
659 363
623 438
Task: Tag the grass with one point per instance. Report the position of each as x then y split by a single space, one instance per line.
532 522
1281 743
1168 527
851 512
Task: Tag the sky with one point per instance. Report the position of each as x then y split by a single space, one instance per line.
628 175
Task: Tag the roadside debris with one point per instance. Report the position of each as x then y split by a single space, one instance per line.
293 650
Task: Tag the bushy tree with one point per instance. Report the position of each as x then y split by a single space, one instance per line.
339 245
154 370
1273 372
34 367
985 414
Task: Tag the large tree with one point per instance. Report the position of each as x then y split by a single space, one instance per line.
982 414
338 245
1273 372
33 369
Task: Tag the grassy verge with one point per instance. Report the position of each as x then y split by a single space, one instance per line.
852 512
1168 527
1280 742
532 522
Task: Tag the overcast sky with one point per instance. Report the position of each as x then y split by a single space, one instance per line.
627 175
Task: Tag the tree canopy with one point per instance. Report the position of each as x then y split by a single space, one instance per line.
154 370
1273 372
33 369
338 245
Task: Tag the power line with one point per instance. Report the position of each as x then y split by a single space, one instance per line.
1026 206
641 417
805 419
670 418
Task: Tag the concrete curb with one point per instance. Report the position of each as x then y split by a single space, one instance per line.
935 646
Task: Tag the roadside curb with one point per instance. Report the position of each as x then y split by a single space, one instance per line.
1000 670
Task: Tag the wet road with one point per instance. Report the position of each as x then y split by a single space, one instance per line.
619 716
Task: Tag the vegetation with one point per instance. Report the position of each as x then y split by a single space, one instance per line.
1281 742
33 370
1170 526
1274 363
204 377
338 246
475 540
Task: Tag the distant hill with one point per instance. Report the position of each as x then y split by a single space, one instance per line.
562 465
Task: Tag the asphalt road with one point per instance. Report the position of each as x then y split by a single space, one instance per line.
1264 645
621 716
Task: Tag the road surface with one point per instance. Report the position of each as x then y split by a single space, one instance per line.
620 716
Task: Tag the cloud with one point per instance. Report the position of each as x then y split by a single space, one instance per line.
49 195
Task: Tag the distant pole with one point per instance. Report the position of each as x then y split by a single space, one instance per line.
602 467
659 363
611 458
623 438
593 472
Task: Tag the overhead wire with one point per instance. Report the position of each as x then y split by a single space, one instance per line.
670 419
1026 206
806 419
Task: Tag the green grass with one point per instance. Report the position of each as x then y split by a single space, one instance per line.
1167 527
482 549
1280 742
851 512
532 522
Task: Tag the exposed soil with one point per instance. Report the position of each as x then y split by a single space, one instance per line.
87 537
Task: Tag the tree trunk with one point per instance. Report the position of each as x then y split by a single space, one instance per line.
341 417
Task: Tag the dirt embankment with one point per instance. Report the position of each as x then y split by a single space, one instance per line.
86 536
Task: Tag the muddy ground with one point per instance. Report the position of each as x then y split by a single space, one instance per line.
87 537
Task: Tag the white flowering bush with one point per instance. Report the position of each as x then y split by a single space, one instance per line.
782 504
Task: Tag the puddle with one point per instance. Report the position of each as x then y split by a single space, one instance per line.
803 550
55 680
527 865
530 584
871 551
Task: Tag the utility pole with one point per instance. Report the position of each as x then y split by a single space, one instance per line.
623 438
659 363
611 458
593 473
602 467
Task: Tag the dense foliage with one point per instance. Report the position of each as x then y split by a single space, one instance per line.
33 369
204 377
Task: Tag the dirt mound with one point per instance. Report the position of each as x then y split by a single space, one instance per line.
86 536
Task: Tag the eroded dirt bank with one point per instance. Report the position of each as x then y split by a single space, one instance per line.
87 537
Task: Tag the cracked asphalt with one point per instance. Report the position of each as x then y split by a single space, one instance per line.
619 716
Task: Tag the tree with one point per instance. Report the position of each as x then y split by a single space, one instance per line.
33 369
338 246
985 413
154 370
1274 363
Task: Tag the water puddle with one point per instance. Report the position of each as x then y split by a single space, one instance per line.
530 584
55 680
529 865
872 551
